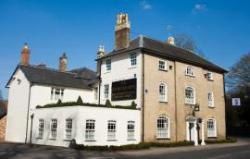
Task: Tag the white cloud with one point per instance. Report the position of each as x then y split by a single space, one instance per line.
145 5
199 8
169 27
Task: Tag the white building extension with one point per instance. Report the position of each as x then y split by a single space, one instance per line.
87 125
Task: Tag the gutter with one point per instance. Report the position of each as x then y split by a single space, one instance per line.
28 112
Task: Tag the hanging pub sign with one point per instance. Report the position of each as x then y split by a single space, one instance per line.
124 90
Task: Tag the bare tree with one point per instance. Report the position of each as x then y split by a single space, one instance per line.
1 96
239 74
185 41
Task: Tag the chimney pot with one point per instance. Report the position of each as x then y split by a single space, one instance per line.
63 60
171 40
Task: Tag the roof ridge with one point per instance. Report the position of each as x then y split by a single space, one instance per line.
48 68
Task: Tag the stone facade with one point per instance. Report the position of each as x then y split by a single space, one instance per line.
175 108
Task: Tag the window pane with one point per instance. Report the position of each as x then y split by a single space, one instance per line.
111 130
90 130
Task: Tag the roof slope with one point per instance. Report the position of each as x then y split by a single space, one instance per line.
165 50
48 76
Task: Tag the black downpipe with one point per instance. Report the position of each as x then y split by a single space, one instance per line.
176 119
142 105
100 80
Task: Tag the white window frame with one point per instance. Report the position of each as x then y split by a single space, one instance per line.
53 129
108 65
163 92
90 130
210 98
163 65
211 132
131 130
68 128
210 76
56 93
133 59
190 100
41 128
189 71
163 127
111 135
106 91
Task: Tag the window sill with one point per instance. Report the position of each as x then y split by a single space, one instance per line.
190 75
212 107
132 67
163 70
112 140
131 139
39 138
162 138
90 140
163 102
67 139
52 138
189 104
107 72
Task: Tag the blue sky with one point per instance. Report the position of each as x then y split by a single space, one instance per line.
221 28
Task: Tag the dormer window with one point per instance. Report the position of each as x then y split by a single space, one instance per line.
189 71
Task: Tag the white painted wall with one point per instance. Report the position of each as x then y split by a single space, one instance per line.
17 108
41 95
121 70
80 114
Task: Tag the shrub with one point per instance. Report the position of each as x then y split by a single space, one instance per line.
133 105
139 146
59 102
79 100
172 144
228 140
108 103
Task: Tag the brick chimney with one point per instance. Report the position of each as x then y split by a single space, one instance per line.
63 60
122 31
25 55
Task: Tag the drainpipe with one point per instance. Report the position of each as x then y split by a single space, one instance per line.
142 102
31 127
28 112
225 102
176 123
100 80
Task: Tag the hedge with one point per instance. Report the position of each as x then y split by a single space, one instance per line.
80 102
228 140
140 146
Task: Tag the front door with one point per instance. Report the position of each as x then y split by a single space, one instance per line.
191 132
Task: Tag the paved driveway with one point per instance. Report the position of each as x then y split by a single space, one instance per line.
240 150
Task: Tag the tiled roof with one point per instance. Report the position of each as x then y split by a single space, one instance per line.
79 78
165 50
